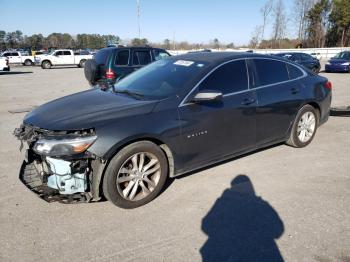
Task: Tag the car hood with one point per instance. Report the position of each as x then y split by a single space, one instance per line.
87 109
337 61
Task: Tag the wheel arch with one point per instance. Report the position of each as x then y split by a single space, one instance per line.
46 60
317 107
311 103
97 190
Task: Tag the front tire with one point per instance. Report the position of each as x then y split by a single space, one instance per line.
135 175
46 65
304 127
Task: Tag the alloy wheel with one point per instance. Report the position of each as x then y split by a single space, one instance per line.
138 176
306 126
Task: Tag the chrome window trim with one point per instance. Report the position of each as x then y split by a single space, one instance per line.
183 103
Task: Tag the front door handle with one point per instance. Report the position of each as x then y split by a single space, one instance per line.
248 101
295 90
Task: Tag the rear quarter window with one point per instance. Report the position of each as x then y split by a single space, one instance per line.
294 72
122 58
102 56
270 71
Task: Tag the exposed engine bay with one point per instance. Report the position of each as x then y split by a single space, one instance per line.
57 165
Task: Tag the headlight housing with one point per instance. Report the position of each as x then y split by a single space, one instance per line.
346 64
63 147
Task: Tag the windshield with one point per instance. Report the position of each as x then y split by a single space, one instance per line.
343 55
160 79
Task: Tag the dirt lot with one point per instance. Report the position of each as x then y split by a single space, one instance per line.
299 208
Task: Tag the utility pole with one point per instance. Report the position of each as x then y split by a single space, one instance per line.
174 41
138 17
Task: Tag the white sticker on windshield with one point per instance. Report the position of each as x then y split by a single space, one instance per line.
183 63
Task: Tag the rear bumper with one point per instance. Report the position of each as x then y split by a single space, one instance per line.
337 68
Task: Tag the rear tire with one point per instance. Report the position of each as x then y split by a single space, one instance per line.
46 65
316 70
304 127
135 175
28 62
82 63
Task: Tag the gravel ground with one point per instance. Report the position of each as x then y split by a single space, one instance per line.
294 204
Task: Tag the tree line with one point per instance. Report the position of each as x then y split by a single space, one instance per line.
16 39
315 23
310 23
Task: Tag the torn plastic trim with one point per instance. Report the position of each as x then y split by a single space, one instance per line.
30 176
31 133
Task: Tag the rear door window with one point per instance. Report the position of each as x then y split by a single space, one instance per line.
229 78
66 53
141 57
15 54
270 71
122 58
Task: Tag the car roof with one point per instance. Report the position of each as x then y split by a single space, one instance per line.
130 47
291 53
216 57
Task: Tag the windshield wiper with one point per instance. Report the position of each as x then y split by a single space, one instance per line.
130 93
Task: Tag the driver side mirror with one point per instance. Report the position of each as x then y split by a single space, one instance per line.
207 96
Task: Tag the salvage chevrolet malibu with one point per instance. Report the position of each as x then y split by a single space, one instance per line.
168 118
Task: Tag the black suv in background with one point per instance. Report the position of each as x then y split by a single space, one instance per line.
114 63
304 59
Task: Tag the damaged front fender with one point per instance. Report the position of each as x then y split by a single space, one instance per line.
67 178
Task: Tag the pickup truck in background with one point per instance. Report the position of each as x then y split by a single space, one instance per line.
61 57
4 64
16 57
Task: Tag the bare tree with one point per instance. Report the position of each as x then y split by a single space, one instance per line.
265 12
300 10
255 40
280 22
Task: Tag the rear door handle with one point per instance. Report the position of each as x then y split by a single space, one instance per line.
294 90
248 101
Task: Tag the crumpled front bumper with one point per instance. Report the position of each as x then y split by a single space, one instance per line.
30 176
68 179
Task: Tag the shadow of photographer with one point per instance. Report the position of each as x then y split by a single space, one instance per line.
241 226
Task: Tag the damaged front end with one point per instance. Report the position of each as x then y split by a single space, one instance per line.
58 166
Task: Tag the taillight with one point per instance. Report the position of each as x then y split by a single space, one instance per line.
110 74
328 85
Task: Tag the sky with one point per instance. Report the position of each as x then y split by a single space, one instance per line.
197 21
